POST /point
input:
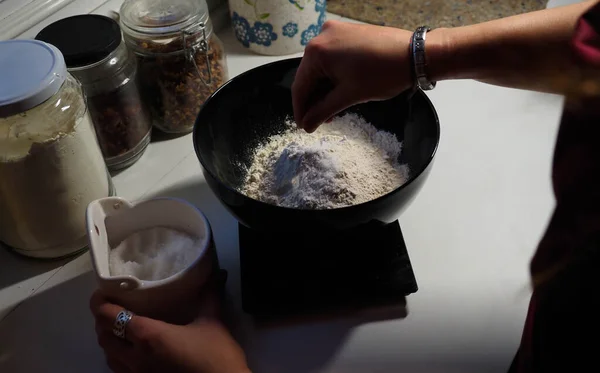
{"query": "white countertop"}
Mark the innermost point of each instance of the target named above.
(470, 234)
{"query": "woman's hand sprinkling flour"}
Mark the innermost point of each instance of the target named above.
(356, 63)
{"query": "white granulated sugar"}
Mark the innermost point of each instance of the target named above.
(343, 163)
(154, 254)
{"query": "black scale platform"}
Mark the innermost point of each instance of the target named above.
(290, 275)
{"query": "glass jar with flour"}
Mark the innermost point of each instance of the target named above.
(51, 166)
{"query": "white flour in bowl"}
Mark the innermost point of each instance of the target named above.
(154, 254)
(343, 163)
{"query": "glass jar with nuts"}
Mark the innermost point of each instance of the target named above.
(181, 61)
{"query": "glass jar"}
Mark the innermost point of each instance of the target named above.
(51, 166)
(181, 61)
(107, 72)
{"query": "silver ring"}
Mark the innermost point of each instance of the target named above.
(123, 318)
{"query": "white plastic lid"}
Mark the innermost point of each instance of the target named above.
(31, 72)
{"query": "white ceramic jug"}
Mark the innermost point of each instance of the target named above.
(111, 220)
(277, 27)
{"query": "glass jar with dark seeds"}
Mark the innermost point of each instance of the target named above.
(96, 55)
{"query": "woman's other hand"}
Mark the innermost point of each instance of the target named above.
(204, 346)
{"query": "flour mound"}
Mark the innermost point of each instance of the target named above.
(343, 163)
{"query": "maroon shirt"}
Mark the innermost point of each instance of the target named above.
(563, 322)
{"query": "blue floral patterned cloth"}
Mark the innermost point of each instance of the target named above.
(242, 30)
(309, 34)
(290, 29)
(320, 5)
(262, 33)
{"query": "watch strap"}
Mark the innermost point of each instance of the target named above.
(417, 47)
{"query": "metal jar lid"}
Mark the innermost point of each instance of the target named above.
(162, 17)
(31, 72)
(186, 21)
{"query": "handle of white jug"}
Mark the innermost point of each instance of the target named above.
(112, 205)
(98, 210)
(96, 214)
(119, 285)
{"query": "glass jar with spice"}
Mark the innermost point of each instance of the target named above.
(107, 71)
(51, 166)
(181, 60)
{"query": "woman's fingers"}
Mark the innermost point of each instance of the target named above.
(117, 351)
(139, 328)
(106, 314)
(304, 84)
(331, 104)
(96, 301)
(116, 366)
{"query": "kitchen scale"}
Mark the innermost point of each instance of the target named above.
(286, 275)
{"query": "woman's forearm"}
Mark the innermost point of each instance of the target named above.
(529, 51)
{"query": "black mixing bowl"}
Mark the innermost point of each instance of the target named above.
(254, 105)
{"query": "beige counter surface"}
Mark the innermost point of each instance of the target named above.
(408, 14)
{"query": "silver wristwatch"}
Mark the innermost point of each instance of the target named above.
(417, 47)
